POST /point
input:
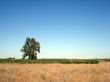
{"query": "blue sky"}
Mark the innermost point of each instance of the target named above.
(65, 28)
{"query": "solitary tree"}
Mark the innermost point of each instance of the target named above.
(30, 48)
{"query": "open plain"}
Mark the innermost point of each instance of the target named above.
(55, 72)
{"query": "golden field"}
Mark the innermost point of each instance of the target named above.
(55, 72)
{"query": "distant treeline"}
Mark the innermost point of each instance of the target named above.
(52, 61)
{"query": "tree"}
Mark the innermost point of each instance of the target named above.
(30, 48)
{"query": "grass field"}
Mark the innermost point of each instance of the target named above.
(15, 72)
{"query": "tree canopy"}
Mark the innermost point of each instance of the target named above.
(30, 48)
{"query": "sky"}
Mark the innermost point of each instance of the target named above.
(64, 28)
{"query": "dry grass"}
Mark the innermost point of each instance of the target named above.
(55, 72)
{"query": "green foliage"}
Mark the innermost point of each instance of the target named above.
(30, 48)
(107, 59)
(51, 61)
